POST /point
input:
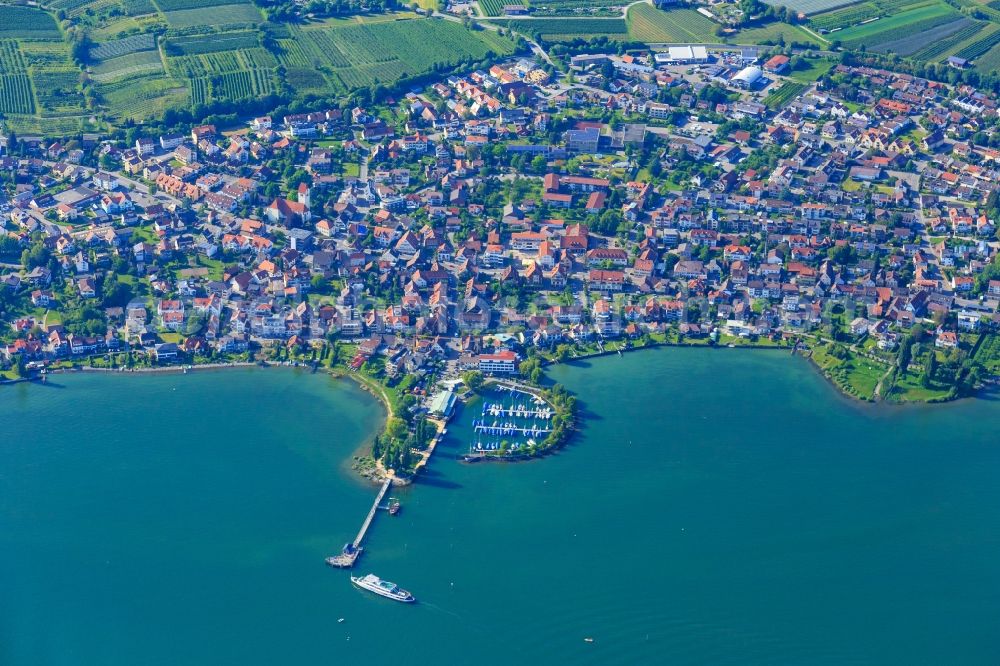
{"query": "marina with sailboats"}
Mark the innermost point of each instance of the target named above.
(512, 420)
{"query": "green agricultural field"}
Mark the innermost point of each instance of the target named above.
(495, 7)
(810, 7)
(41, 88)
(903, 25)
(178, 5)
(15, 94)
(350, 54)
(119, 47)
(574, 7)
(567, 29)
(988, 353)
(212, 43)
(27, 23)
(907, 45)
(142, 97)
(648, 24)
(980, 50)
(39, 84)
(121, 27)
(941, 48)
(812, 72)
(989, 61)
(862, 11)
(138, 7)
(222, 15)
(228, 75)
(776, 33)
(142, 62)
(776, 99)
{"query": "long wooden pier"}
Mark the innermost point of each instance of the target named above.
(371, 514)
(351, 551)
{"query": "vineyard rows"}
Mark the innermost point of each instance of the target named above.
(128, 65)
(68, 6)
(324, 46)
(581, 27)
(495, 7)
(855, 14)
(120, 47)
(27, 23)
(221, 16)
(138, 7)
(177, 5)
(362, 77)
(11, 60)
(242, 85)
(229, 41)
(810, 7)
(648, 24)
(936, 49)
(989, 61)
(58, 90)
(199, 91)
(210, 64)
(142, 96)
(899, 26)
(980, 46)
(783, 95)
(15, 94)
(305, 79)
(914, 41)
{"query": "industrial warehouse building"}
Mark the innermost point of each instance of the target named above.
(682, 55)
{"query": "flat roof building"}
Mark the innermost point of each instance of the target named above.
(682, 55)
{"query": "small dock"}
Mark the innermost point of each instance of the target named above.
(352, 551)
(510, 429)
(519, 412)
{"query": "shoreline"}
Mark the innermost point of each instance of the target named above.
(545, 362)
(381, 473)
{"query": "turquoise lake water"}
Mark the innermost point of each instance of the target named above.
(718, 507)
